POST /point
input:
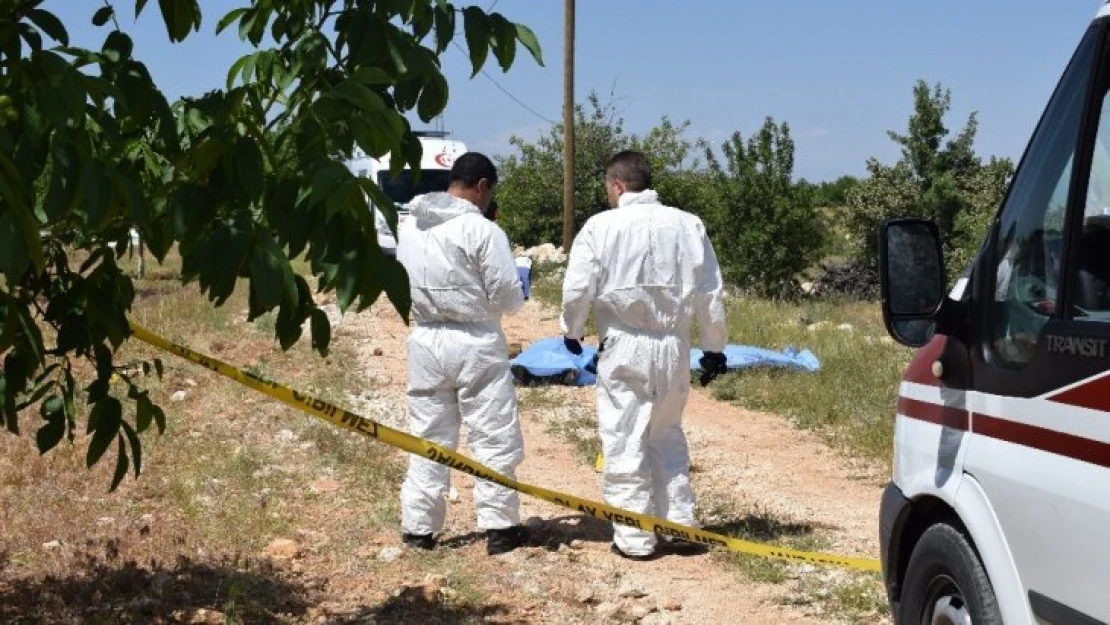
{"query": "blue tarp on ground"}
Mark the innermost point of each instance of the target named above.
(549, 359)
(745, 356)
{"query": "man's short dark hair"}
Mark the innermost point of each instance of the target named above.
(630, 168)
(472, 167)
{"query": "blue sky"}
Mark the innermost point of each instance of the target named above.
(840, 73)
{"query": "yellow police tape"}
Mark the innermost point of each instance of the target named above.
(412, 444)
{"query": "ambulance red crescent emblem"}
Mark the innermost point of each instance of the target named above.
(443, 159)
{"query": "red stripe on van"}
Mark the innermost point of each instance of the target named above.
(1094, 394)
(920, 369)
(1059, 443)
(947, 416)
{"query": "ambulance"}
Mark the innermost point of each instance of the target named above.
(999, 506)
(439, 154)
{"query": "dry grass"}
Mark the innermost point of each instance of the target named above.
(850, 401)
(837, 594)
(233, 472)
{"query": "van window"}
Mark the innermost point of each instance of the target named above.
(401, 189)
(1092, 292)
(1030, 237)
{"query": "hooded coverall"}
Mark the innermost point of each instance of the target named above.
(462, 278)
(650, 271)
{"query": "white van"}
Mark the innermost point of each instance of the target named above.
(439, 154)
(999, 507)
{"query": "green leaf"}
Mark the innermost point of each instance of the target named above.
(180, 16)
(11, 186)
(31, 336)
(397, 52)
(477, 37)
(31, 36)
(50, 434)
(237, 68)
(267, 280)
(136, 200)
(107, 414)
(50, 25)
(422, 20)
(139, 4)
(321, 331)
(218, 260)
(528, 39)
(292, 315)
(206, 155)
(369, 137)
(359, 95)
(231, 16)
(63, 193)
(396, 282)
(96, 194)
(445, 27)
(327, 179)
(121, 466)
(117, 46)
(504, 46)
(102, 15)
(136, 447)
(249, 171)
(14, 258)
(433, 99)
(371, 76)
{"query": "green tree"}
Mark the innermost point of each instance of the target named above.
(531, 188)
(765, 228)
(937, 178)
(242, 179)
(834, 193)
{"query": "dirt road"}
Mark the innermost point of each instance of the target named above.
(249, 512)
(750, 468)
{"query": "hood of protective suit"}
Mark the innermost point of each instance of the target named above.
(433, 209)
(460, 265)
(638, 197)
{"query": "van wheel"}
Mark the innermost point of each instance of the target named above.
(946, 584)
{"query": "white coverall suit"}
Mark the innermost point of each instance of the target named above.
(462, 278)
(650, 270)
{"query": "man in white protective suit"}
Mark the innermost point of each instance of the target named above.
(650, 271)
(462, 278)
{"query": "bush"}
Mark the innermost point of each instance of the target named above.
(765, 228)
(851, 280)
(937, 178)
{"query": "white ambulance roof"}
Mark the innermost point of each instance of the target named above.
(438, 154)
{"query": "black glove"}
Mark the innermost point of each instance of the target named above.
(573, 346)
(712, 365)
(592, 367)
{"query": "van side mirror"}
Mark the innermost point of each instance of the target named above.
(911, 273)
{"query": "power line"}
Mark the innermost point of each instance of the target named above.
(506, 91)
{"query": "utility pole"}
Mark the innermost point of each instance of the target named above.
(568, 125)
